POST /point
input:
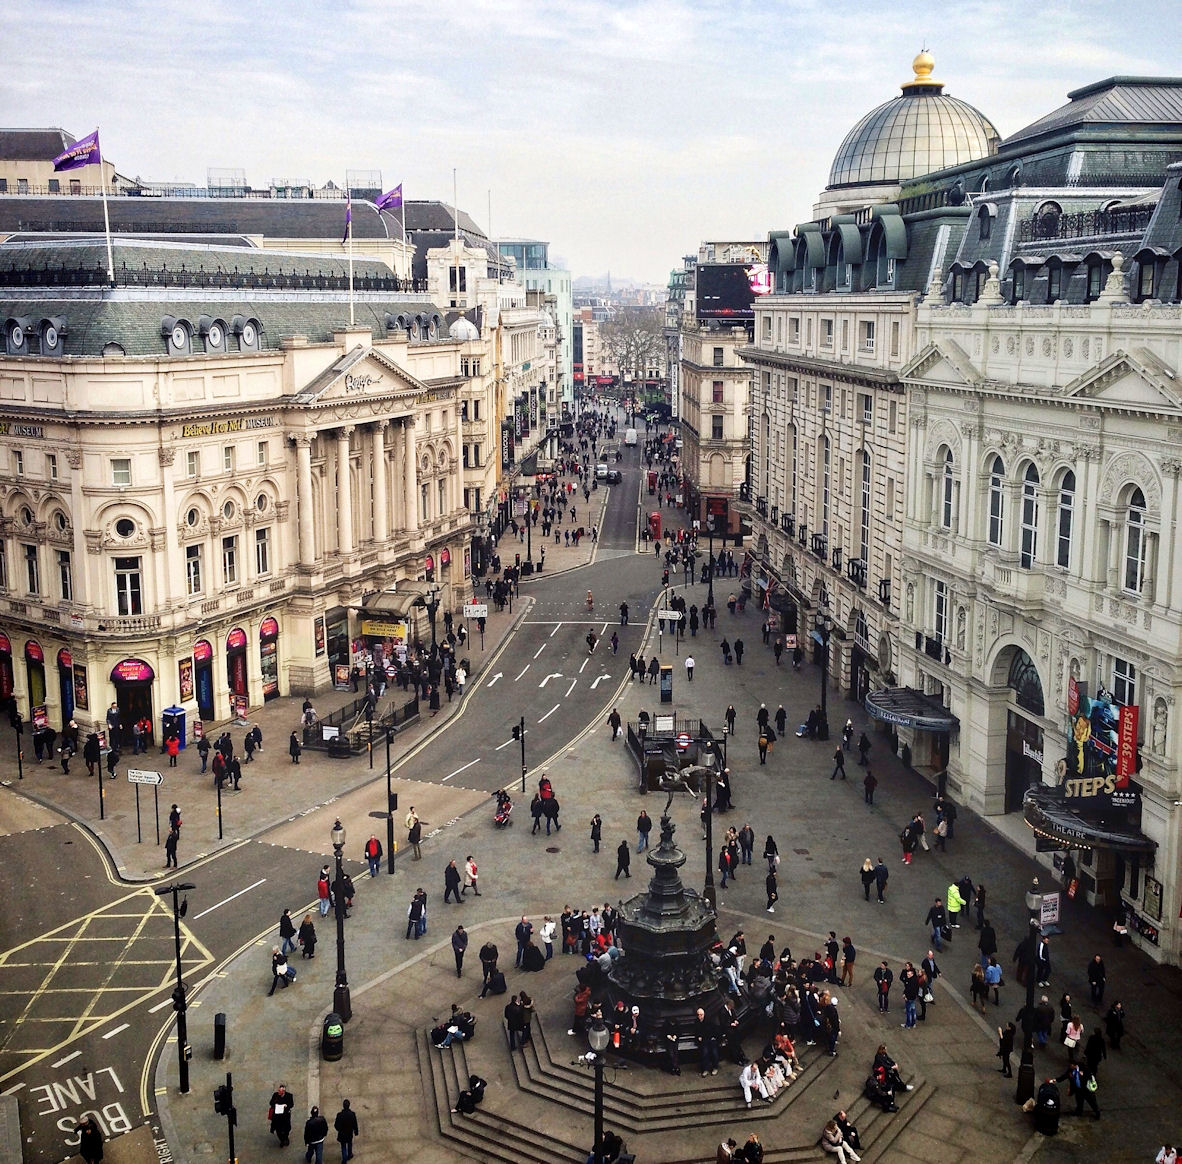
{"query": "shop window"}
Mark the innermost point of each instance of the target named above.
(129, 596)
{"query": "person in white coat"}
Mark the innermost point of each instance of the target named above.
(751, 1079)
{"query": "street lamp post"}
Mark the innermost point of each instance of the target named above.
(519, 734)
(18, 726)
(1029, 959)
(390, 806)
(824, 627)
(431, 602)
(341, 1001)
(710, 536)
(598, 1037)
(179, 1003)
(709, 892)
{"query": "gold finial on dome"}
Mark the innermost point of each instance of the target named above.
(923, 65)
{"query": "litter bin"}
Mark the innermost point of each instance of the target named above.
(1047, 1107)
(332, 1040)
(172, 719)
(219, 1035)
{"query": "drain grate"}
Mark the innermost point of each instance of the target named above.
(553, 849)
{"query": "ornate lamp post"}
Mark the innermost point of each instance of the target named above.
(598, 1037)
(431, 602)
(824, 627)
(341, 1002)
(1029, 960)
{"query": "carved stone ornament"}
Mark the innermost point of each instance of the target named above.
(74, 458)
(1011, 344)
(167, 454)
(1132, 468)
(995, 344)
(1084, 346)
(1068, 348)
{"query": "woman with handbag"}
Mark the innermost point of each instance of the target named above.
(1073, 1036)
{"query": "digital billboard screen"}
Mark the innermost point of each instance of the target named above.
(728, 290)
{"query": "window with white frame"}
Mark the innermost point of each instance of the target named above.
(129, 593)
(32, 570)
(18, 462)
(1124, 682)
(230, 560)
(1135, 541)
(3, 566)
(946, 491)
(1028, 553)
(228, 458)
(826, 333)
(826, 397)
(996, 502)
(193, 462)
(65, 576)
(261, 453)
(1066, 518)
(866, 336)
(120, 470)
(825, 464)
(51, 465)
(865, 554)
(193, 583)
(262, 550)
(940, 613)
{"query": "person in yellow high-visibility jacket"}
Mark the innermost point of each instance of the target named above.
(955, 904)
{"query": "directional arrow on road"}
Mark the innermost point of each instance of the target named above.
(548, 678)
(494, 679)
(598, 680)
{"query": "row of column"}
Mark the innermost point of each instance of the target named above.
(379, 464)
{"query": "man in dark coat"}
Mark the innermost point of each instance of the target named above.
(347, 1129)
(315, 1133)
(623, 860)
(514, 1022)
(488, 963)
(459, 944)
(282, 1101)
(451, 883)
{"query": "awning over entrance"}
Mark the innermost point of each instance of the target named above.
(910, 708)
(1046, 811)
(402, 602)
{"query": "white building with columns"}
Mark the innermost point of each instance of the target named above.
(213, 492)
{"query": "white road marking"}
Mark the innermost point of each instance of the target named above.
(494, 679)
(62, 1062)
(507, 743)
(459, 770)
(112, 1034)
(12, 1090)
(550, 713)
(598, 680)
(571, 687)
(543, 683)
(523, 671)
(556, 630)
(224, 900)
(540, 650)
(160, 1006)
(584, 666)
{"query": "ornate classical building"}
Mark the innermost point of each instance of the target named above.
(214, 483)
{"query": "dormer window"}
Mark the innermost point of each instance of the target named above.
(1054, 283)
(1145, 280)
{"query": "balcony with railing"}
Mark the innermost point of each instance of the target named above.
(761, 507)
(884, 591)
(788, 524)
(820, 545)
(933, 647)
(1117, 220)
(855, 570)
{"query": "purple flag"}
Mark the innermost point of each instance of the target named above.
(81, 153)
(391, 200)
(348, 218)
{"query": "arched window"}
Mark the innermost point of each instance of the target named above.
(1023, 680)
(996, 501)
(946, 500)
(1029, 552)
(1135, 543)
(1066, 517)
(865, 554)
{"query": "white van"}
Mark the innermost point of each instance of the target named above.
(630, 436)
(600, 472)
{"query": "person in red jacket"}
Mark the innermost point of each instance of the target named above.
(174, 747)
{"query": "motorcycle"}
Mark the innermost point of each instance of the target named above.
(504, 810)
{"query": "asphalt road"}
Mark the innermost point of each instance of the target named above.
(87, 963)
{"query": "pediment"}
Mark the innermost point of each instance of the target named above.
(944, 363)
(1138, 378)
(360, 374)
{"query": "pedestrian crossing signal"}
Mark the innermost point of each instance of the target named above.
(223, 1099)
(517, 731)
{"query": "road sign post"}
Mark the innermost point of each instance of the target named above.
(138, 776)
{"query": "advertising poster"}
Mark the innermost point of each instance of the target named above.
(1091, 771)
(340, 676)
(40, 716)
(81, 689)
(318, 634)
(185, 677)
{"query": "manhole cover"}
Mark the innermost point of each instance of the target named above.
(801, 852)
(826, 874)
(553, 849)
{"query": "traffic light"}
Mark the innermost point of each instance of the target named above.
(517, 731)
(178, 998)
(516, 559)
(223, 1099)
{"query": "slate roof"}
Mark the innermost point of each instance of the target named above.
(1117, 101)
(33, 145)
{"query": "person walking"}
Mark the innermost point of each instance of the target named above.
(90, 1141)
(324, 891)
(414, 914)
(315, 1133)
(307, 936)
(596, 832)
(347, 1130)
(849, 956)
(689, 668)
(739, 648)
(881, 875)
(287, 932)
(471, 876)
(279, 1114)
(279, 970)
(623, 859)
(170, 844)
(654, 669)
(1096, 979)
(781, 720)
(373, 854)
(937, 918)
(771, 853)
(883, 977)
(773, 891)
(644, 826)
(838, 763)
(1005, 1048)
(867, 875)
(869, 784)
(293, 748)
(459, 944)
(451, 883)
(414, 833)
(863, 748)
(614, 721)
(763, 744)
(730, 715)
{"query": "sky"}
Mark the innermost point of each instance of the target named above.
(623, 133)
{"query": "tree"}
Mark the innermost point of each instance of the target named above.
(634, 339)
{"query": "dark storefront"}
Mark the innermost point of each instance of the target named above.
(132, 680)
(269, 658)
(236, 678)
(203, 671)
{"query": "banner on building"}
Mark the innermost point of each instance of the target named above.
(507, 444)
(1126, 744)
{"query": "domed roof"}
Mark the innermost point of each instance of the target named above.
(915, 133)
(463, 330)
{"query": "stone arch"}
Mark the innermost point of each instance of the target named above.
(941, 433)
(1124, 472)
(1012, 667)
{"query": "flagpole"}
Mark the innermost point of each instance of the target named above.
(455, 217)
(350, 224)
(106, 212)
